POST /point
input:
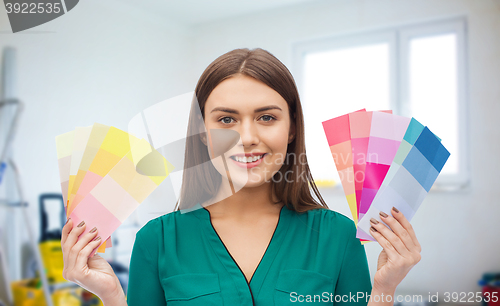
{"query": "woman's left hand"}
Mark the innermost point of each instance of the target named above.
(401, 250)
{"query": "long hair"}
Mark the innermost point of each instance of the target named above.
(203, 181)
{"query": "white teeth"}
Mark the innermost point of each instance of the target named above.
(247, 159)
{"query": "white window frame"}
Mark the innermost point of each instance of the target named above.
(398, 39)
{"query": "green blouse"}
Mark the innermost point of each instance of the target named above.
(179, 259)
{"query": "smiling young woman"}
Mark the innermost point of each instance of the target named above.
(253, 93)
(247, 230)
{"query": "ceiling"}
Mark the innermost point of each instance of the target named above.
(194, 12)
(497, 2)
(188, 13)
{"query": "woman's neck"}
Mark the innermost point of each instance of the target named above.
(246, 203)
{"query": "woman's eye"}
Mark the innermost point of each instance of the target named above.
(225, 121)
(271, 118)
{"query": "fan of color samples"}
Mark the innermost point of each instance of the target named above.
(105, 174)
(383, 160)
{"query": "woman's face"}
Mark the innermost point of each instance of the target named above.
(261, 117)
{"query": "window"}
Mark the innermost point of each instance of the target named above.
(415, 70)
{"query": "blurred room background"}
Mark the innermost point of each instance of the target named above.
(105, 61)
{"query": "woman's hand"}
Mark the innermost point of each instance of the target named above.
(401, 250)
(93, 274)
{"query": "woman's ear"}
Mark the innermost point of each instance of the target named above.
(203, 138)
(291, 136)
(201, 129)
(203, 135)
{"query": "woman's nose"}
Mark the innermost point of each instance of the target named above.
(249, 134)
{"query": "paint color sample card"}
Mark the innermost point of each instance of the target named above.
(115, 174)
(112, 149)
(338, 135)
(386, 134)
(394, 161)
(359, 125)
(410, 181)
(65, 144)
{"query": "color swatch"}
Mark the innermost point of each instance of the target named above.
(390, 160)
(117, 171)
(338, 135)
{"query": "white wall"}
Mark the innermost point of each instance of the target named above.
(459, 232)
(101, 62)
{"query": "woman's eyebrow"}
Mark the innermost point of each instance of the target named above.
(233, 111)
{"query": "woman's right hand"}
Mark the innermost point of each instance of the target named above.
(93, 274)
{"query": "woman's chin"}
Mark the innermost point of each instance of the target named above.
(248, 182)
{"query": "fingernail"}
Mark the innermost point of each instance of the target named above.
(67, 221)
(372, 229)
(374, 221)
(98, 238)
(94, 229)
(395, 209)
(383, 214)
(81, 224)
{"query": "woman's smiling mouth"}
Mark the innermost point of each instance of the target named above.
(248, 160)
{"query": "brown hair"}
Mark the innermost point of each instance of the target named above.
(202, 182)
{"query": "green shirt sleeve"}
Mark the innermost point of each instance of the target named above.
(144, 287)
(354, 283)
